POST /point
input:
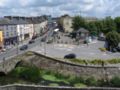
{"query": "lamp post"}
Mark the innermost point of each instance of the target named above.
(17, 45)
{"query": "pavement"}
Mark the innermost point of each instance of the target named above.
(82, 51)
(16, 49)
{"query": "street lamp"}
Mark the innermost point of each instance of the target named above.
(45, 46)
(17, 45)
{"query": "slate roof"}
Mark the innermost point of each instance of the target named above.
(15, 20)
(6, 21)
(83, 30)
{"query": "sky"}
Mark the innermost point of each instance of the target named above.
(88, 8)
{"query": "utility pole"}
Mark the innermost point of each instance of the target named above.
(17, 47)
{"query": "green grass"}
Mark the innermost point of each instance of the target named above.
(94, 62)
(80, 85)
(54, 79)
(53, 84)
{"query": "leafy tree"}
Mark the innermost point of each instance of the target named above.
(117, 21)
(78, 22)
(113, 39)
(115, 81)
(92, 28)
(109, 25)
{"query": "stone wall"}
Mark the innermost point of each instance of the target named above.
(67, 68)
(33, 87)
(7, 65)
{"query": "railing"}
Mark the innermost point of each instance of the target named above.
(35, 87)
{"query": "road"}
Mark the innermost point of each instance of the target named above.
(16, 50)
(82, 51)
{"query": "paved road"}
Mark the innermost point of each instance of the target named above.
(82, 51)
(15, 50)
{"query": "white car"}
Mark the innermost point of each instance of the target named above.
(3, 50)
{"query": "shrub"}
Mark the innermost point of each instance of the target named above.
(32, 74)
(74, 80)
(27, 73)
(53, 84)
(115, 81)
(91, 81)
(16, 72)
(114, 61)
(80, 85)
(103, 49)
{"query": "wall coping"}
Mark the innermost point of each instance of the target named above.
(73, 64)
(49, 87)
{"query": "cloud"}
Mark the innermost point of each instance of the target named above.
(97, 8)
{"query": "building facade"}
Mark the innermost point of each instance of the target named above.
(40, 28)
(15, 31)
(1, 39)
(66, 22)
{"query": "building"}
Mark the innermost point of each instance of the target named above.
(39, 24)
(82, 33)
(15, 29)
(66, 23)
(1, 39)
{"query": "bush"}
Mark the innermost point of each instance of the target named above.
(32, 74)
(115, 81)
(114, 61)
(74, 80)
(98, 62)
(103, 49)
(80, 85)
(53, 84)
(27, 73)
(91, 81)
(113, 39)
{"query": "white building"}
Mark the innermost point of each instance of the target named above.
(15, 30)
(40, 28)
(66, 22)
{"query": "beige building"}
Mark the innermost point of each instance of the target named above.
(66, 22)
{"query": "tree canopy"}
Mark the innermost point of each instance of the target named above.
(113, 39)
(78, 22)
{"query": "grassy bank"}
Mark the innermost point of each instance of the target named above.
(33, 75)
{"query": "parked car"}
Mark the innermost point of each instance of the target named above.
(101, 38)
(3, 50)
(43, 40)
(118, 49)
(70, 56)
(31, 41)
(24, 47)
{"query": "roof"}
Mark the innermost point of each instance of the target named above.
(14, 20)
(6, 21)
(83, 30)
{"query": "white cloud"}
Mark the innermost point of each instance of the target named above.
(98, 8)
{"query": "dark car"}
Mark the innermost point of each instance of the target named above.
(118, 49)
(101, 38)
(43, 40)
(31, 41)
(70, 56)
(24, 47)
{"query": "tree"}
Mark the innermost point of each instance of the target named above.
(92, 28)
(78, 22)
(109, 25)
(113, 39)
(117, 21)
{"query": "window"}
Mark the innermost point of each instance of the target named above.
(6, 27)
(7, 34)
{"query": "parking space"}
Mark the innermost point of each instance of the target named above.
(83, 51)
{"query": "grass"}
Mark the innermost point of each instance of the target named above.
(80, 85)
(94, 62)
